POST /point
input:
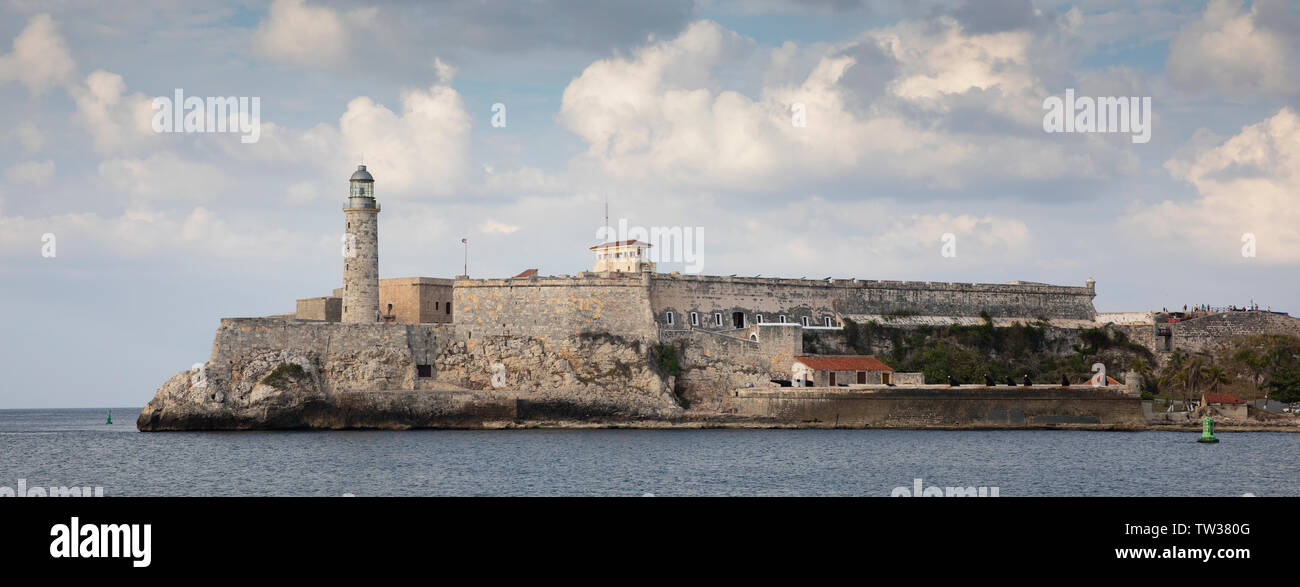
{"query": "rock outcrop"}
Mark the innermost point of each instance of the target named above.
(274, 374)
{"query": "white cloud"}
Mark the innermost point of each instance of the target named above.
(422, 151)
(297, 33)
(445, 72)
(37, 173)
(1229, 50)
(935, 64)
(30, 137)
(116, 121)
(493, 226)
(874, 240)
(663, 113)
(1247, 184)
(40, 59)
(165, 177)
(302, 192)
(197, 233)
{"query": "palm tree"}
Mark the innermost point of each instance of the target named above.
(1171, 375)
(1191, 376)
(1214, 375)
(1143, 370)
(1255, 363)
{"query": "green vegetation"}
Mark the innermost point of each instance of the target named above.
(892, 314)
(1284, 385)
(1249, 367)
(285, 374)
(664, 357)
(1255, 367)
(968, 353)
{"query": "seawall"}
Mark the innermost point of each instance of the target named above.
(943, 407)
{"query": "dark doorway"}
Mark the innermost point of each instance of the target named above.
(737, 319)
(862, 377)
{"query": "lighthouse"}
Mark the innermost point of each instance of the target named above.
(361, 250)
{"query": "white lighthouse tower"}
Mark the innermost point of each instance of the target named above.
(361, 250)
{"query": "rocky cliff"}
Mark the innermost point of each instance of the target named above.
(267, 373)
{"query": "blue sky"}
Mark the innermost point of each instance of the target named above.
(922, 118)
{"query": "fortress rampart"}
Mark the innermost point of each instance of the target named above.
(818, 299)
(554, 309)
(351, 357)
(1203, 333)
(638, 305)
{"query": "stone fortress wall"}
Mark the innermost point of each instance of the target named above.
(648, 308)
(555, 309)
(1202, 334)
(795, 299)
(346, 357)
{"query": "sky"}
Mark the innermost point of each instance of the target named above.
(794, 138)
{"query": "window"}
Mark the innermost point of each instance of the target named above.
(695, 319)
(437, 305)
(717, 319)
(758, 318)
(783, 318)
(828, 321)
(804, 320)
(448, 307)
(669, 317)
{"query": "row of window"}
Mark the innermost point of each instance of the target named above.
(739, 319)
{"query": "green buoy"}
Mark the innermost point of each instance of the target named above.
(110, 417)
(1207, 430)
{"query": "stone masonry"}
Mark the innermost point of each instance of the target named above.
(361, 251)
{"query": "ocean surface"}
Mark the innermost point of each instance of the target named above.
(65, 448)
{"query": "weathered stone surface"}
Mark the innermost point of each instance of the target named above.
(599, 375)
(350, 372)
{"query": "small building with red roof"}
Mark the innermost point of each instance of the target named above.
(1224, 404)
(840, 370)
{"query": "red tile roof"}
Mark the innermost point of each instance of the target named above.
(619, 244)
(1222, 398)
(844, 363)
(526, 273)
